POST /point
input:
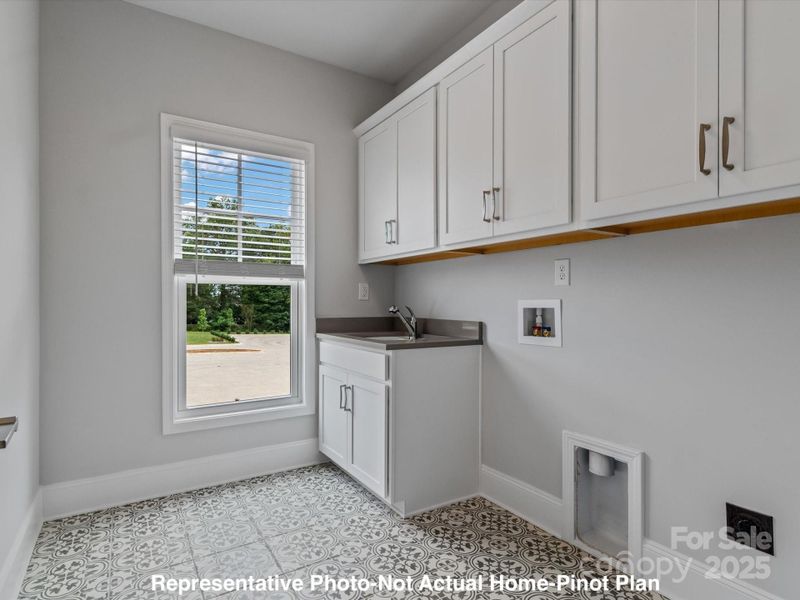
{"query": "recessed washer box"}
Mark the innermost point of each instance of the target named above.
(551, 322)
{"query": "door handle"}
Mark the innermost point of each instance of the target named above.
(386, 232)
(348, 387)
(495, 191)
(726, 141)
(703, 128)
(485, 199)
(342, 401)
(392, 231)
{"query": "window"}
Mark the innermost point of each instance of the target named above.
(238, 301)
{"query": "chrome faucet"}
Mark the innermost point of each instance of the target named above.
(409, 322)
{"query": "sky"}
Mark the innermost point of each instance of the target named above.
(268, 184)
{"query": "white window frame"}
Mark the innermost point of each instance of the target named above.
(176, 417)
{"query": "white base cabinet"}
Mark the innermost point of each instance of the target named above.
(403, 423)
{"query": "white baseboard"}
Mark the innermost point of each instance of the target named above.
(545, 511)
(12, 571)
(540, 508)
(96, 493)
(698, 585)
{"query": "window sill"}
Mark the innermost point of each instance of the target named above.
(184, 423)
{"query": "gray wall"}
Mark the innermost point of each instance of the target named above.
(496, 10)
(108, 69)
(684, 344)
(19, 247)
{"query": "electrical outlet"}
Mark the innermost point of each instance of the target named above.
(750, 528)
(363, 291)
(562, 271)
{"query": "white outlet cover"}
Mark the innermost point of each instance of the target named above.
(363, 291)
(562, 271)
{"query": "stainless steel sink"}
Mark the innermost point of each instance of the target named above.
(388, 338)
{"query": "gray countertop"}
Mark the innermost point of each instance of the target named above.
(436, 333)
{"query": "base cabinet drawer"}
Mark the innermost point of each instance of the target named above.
(355, 360)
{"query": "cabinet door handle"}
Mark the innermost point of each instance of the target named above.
(495, 191)
(726, 141)
(392, 231)
(485, 200)
(386, 232)
(348, 387)
(341, 399)
(703, 128)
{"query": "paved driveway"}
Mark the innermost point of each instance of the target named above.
(258, 367)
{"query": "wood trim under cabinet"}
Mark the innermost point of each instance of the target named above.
(709, 217)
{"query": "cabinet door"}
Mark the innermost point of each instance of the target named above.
(333, 423)
(532, 72)
(367, 406)
(465, 151)
(760, 90)
(377, 150)
(416, 176)
(647, 81)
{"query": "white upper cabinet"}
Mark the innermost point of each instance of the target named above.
(397, 187)
(504, 131)
(647, 104)
(465, 151)
(415, 228)
(759, 95)
(532, 124)
(378, 189)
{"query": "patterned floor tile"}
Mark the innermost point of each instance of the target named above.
(66, 577)
(253, 560)
(330, 579)
(248, 595)
(210, 537)
(310, 524)
(132, 585)
(145, 555)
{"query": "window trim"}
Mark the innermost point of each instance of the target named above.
(175, 420)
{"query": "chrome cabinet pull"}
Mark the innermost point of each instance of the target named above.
(702, 158)
(485, 199)
(341, 400)
(726, 141)
(392, 231)
(386, 232)
(495, 191)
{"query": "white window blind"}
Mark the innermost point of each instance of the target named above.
(237, 212)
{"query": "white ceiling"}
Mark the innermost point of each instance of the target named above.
(384, 39)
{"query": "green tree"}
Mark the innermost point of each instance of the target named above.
(216, 232)
(202, 320)
(225, 321)
(248, 316)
